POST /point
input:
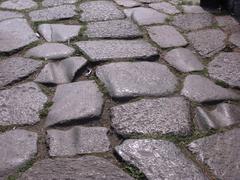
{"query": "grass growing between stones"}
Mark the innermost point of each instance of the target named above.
(44, 112)
(133, 171)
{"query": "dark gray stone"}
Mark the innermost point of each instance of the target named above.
(235, 39)
(19, 4)
(49, 3)
(159, 159)
(165, 7)
(127, 3)
(4, 15)
(193, 9)
(128, 79)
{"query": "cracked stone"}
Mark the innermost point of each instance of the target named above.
(201, 89)
(78, 140)
(131, 79)
(19, 4)
(4, 15)
(100, 11)
(127, 3)
(49, 3)
(235, 39)
(15, 34)
(152, 116)
(58, 32)
(193, 9)
(166, 36)
(165, 8)
(50, 51)
(159, 159)
(84, 95)
(207, 42)
(183, 60)
(220, 152)
(104, 50)
(17, 148)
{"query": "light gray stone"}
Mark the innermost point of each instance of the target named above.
(103, 50)
(226, 67)
(100, 11)
(152, 116)
(193, 9)
(17, 147)
(220, 152)
(4, 15)
(201, 89)
(128, 79)
(235, 39)
(149, 1)
(207, 42)
(54, 13)
(183, 60)
(166, 36)
(113, 29)
(50, 51)
(228, 23)
(61, 72)
(58, 32)
(21, 104)
(83, 168)
(15, 34)
(49, 3)
(159, 159)
(78, 140)
(129, 11)
(19, 4)
(165, 8)
(127, 3)
(75, 101)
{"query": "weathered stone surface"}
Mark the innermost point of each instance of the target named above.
(220, 152)
(166, 36)
(100, 11)
(50, 51)
(207, 42)
(127, 3)
(228, 23)
(58, 32)
(113, 29)
(54, 13)
(14, 34)
(83, 168)
(152, 116)
(159, 159)
(49, 3)
(16, 68)
(201, 89)
(60, 72)
(84, 95)
(149, 1)
(78, 140)
(17, 147)
(117, 49)
(21, 104)
(165, 7)
(19, 4)
(129, 11)
(4, 15)
(223, 115)
(226, 67)
(235, 39)
(193, 9)
(183, 60)
(193, 21)
(127, 79)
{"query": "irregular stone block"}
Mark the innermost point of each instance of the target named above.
(228, 23)
(4, 15)
(165, 8)
(127, 3)
(149, 1)
(49, 3)
(19, 4)
(235, 39)
(193, 9)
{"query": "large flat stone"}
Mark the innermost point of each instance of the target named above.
(78, 140)
(75, 101)
(15, 34)
(16, 68)
(19, 4)
(201, 89)
(220, 152)
(4, 15)
(128, 79)
(193, 9)
(148, 1)
(152, 116)
(159, 159)
(228, 23)
(235, 39)
(103, 50)
(17, 148)
(49, 3)
(165, 7)
(127, 3)
(83, 168)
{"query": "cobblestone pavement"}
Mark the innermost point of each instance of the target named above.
(118, 89)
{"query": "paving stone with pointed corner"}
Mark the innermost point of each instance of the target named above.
(193, 9)
(226, 67)
(4, 15)
(128, 79)
(50, 51)
(159, 159)
(165, 8)
(49, 3)
(113, 29)
(201, 89)
(127, 3)
(183, 60)
(220, 152)
(19, 4)
(207, 42)
(21, 104)
(58, 32)
(54, 13)
(104, 50)
(15, 34)
(16, 68)
(235, 39)
(84, 95)
(78, 140)
(152, 116)
(166, 36)
(83, 168)
(100, 11)
(61, 72)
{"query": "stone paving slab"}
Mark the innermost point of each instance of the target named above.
(5, 15)
(19, 4)
(193, 9)
(228, 23)
(127, 3)
(235, 39)
(165, 7)
(49, 3)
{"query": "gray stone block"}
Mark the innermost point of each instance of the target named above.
(49, 3)
(165, 7)
(4, 15)
(127, 3)
(19, 4)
